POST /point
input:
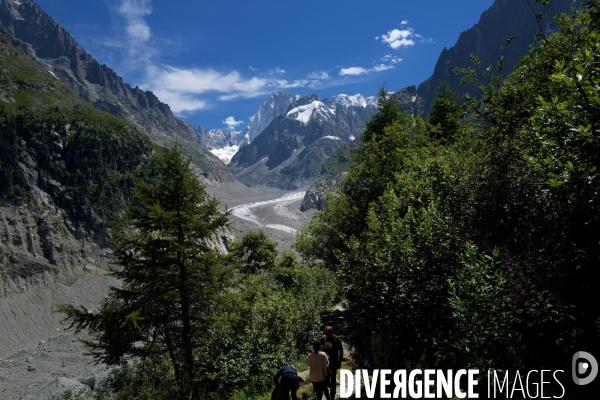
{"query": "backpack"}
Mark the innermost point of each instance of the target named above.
(277, 393)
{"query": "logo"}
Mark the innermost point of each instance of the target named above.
(585, 368)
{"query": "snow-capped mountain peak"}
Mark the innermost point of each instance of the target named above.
(304, 109)
(354, 101)
(291, 150)
(276, 105)
(305, 112)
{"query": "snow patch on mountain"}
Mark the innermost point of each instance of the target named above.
(226, 153)
(354, 101)
(304, 113)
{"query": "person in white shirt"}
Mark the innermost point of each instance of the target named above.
(317, 361)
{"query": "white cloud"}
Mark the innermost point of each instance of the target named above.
(185, 89)
(382, 67)
(134, 12)
(397, 38)
(180, 103)
(353, 71)
(319, 75)
(391, 58)
(201, 81)
(405, 37)
(231, 122)
(285, 84)
(276, 71)
(132, 36)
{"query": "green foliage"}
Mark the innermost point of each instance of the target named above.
(87, 160)
(480, 251)
(26, 85)
(12, 179)
(397, 265)
(445, 113)
(272, 324)
(341, 160)
(376, 165)
(388, 112)
(150, 379)
(544, 126)
(503, 315)
(279, 316)
(254, 253)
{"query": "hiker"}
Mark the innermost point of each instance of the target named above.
(289, 381)
(317, 362)
(333, 348)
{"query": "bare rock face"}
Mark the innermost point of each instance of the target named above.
(409, 100)
(318, 190)
(221, 242)
(53, 244)
(45, 258)
(57, 51)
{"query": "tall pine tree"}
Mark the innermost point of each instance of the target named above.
(172, 280)
(445, 114)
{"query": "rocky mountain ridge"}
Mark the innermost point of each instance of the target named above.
(52, 244)
(225, 143)
(274, 106)
(293, 147)
(220, 142)
(58, 52)
(487, 40)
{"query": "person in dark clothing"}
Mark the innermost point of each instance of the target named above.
(290, 382)
(332, 346)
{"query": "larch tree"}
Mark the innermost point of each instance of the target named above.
(173, 282)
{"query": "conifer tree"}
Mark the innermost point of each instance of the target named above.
(445, 113)
(172, 281)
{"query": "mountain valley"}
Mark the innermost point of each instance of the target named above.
(75, 137)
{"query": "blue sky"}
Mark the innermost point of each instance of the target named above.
(215, 62)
